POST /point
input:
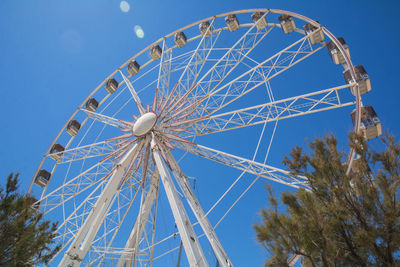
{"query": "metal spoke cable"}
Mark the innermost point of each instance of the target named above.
(265, 160)
(243, 172)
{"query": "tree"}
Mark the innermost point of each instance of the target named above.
(25, 238)
(345, 219)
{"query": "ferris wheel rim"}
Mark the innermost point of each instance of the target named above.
(351, 154)
(358, 97)
(349, 63)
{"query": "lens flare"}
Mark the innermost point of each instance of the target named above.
(139, 31)
(124, 6)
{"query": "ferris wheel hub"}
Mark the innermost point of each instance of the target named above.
(144, 123)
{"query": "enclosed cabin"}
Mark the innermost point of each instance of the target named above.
(287, 23)
(259, 19)
(314, 35)
(56, 152)
(205, 29)
(362, 78)
(232, 22)
(133, 67)
(35, 204)
(370, 126)
(73, 127)
(111, 85)
(91, 104)
(42, 178)
(180, 39)
(334, 52)
(156, 52)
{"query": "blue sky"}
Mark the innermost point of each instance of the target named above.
(54, 53)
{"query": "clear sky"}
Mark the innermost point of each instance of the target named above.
(54, 53)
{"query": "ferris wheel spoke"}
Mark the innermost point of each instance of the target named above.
(249, 166)
(230, 60)
(276, 110)
(197, 60)
(134, 94)
(108, 120)
(75, 186)
(246, 82)
(87, 151)
(164, 71)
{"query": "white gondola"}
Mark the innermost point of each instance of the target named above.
(370, 126)
(36, 205)
(335, 53)
(314, 35)
(259, 19)
(73, 127)
(180, 39)
(155, 52)
(362, 78)
(232, 22)
(56, 152)
(91, 104)
(133, 67)
(42, 178)
(287, 23)
(204, 28)
(111, 85)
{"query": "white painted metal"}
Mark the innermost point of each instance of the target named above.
(230, 60)
(87, 151)
(107, 120)
(251, 79)
(198, 211)
(250, 166)
(190, 241)
(211, 97)
(271, 111)
(200, 54)
(83, 239)
(216, 245)
(134, 94)
(164, 70)
(130, 252)
(144, 124)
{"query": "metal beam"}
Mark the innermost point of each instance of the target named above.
(107, 120)
(219, 251)
(87, 232)
(131, 247)
(189, 239)
(277, 110)
(249, 166)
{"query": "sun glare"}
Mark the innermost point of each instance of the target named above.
(139, 31)
(124, 6)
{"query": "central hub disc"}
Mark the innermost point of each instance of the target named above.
(144, 124)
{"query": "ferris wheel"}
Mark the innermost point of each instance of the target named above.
(123, 175)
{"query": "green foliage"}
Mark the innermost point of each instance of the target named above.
(345, 219)
(25, 237)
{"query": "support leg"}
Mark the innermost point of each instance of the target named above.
(189, 239)
(84, 237)
(127, 259)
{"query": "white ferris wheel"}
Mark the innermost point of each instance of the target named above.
(119, 177)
